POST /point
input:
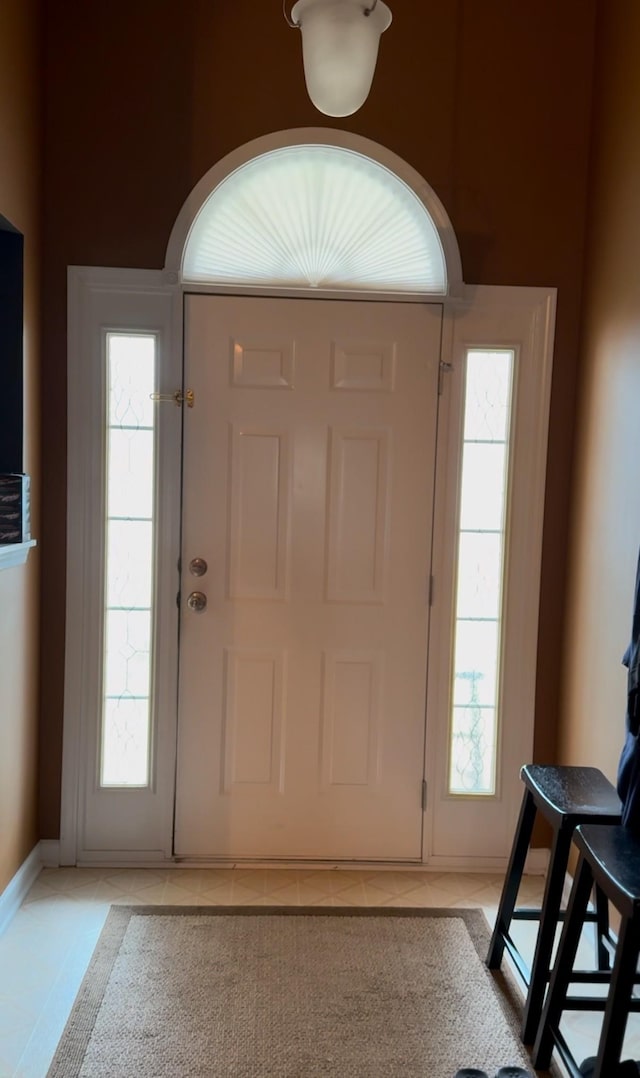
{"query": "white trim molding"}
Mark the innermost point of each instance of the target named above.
(105, 826)
(521, 320)
(18, 888)
(12, 554)
(95, 817)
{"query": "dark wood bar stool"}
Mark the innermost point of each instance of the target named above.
(610, 859)
(565, 797)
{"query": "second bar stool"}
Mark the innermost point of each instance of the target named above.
(565, 797)
(609, 857)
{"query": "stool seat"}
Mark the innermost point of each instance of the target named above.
(609, 858)
(614, 856)
(571, 794)
(566, 797)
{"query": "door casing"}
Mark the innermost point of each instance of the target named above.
(135, 826)
(125, 826)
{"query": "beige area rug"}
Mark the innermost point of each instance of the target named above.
(197, 992)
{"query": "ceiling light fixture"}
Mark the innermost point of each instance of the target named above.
(339, 49)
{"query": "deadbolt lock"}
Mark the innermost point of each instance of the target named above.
(198, 566)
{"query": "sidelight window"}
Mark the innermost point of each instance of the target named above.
(130, 467)
(480, 572)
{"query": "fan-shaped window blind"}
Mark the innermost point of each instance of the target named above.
(316, 216)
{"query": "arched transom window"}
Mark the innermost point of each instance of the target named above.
(315, 216)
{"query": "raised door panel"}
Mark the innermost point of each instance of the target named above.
(352, 687)
(358, 524)
(252, 740)
(259, 488)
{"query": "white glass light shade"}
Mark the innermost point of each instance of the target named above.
(315, 216)
(339, 50)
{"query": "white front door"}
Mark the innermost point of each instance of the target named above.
(308, 492)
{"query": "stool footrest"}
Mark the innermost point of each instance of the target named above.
(593, 976)
(532, 914)
(523, 914)
(595, 1003)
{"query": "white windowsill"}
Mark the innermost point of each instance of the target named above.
(15, 553)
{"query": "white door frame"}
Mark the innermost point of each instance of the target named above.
(486, 317)
(130, 299)
(118, 299)
(99, 301)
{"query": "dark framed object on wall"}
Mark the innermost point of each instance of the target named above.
(11, 347)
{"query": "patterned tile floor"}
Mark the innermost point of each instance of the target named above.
(46, 948)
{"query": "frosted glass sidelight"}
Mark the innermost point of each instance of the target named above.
(129, 541)
(482, 501)
(127, 653)
(130, 472)
(476, 662)
(315, 216)
(130, 404)
(487, 400)
(129, 564)
(125, 745)
(480, 571)
(479, 587)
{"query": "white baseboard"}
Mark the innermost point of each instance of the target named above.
(17, 888)
(45, 854)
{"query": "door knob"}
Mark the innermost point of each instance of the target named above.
(197, 602)
(198, 566)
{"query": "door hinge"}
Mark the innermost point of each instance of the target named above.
(430, 591)
(444, 368)
(424, 795)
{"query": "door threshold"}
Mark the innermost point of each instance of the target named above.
(119, 859)
(302, 863)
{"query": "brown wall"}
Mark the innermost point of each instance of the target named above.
(20, 203)
(489, 101)
(606, 518)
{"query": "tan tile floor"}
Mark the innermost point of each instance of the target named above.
(46, 948)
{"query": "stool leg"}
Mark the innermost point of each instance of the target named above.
(563, 966)
(602, 929)
(512, 880)
(620, 990)
(541, 964)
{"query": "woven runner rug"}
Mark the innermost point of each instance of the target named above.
(198, 992)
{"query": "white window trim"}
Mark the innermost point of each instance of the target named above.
(313, 136)
(98, 300)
